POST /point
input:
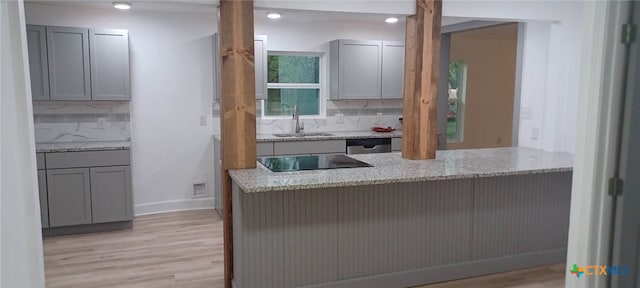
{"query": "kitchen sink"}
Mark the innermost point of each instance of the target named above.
(318, 134)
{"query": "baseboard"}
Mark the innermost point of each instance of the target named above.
(173, 205)
(457, 271)
(88, 228)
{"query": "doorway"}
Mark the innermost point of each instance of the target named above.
(625, 249)
(481, 85)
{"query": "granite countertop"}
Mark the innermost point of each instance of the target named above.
(82, 146)
(392, 168)
(334, 136)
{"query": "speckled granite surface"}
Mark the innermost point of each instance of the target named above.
(334, 136)
(391, 168)
(82, 146)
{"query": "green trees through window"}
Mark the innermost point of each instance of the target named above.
(293, 80)
(455, 111)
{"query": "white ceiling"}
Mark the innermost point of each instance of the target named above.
(209, 7)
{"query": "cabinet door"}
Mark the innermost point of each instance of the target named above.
(392, 70)
(309, 147)
(111, 198)
(359, 69)
(69, 197)
(38, 67)
(215, 49)
(260, 57)
(109, 50)
(217, 161)
(68, 56)
(260, 48)
(44, 203)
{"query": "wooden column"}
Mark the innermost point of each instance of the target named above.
(238, 106)
(421, 76)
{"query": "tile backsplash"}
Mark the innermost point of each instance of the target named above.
(359, 115)
(76, 121)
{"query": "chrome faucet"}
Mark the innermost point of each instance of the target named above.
(296, 116)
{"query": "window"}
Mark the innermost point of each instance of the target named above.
(293, 79)
(455, 112)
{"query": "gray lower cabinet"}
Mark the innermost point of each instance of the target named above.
(309, 147)
(69, 196)
(88, 187)
(68, 58)
(217, 163)
(38, 67)
(44, 202)
(111, 198)
(109, 50)
(262, 149)
(396, 144)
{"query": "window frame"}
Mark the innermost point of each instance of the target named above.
(460, 101)
(321, 85)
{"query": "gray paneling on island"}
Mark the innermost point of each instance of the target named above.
(458, 216)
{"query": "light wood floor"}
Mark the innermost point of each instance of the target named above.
(184, 249)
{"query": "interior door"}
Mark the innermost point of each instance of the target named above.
(626, 244)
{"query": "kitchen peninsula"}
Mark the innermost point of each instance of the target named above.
(401, 222)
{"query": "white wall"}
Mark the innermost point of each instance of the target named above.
(312, 31)
(396, 7)
(551, 64)
(171, 87)
(21, 259)
(551, 55)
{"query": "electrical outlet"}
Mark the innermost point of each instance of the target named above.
(339, 118)
(535, 133)
(102, 123)
(526, 113)
(203, 120)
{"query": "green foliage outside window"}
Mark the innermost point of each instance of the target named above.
(293, 80)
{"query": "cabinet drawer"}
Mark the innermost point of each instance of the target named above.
(40, 161)
(309, 147)
(264, 148)
(396, 144)
(87, 159)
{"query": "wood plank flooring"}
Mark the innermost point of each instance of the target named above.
(179, 249)
(184, 249)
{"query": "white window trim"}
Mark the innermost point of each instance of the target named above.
(322, 86)
(460, 100)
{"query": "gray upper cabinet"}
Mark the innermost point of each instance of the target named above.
(109, 50)
(38, 67)
(44, 203)
(68, 57)
(69, 196)
(111, 198)
(356, 69)
(260, 57)
(392, 70)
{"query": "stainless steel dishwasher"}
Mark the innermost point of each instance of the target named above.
(368, 145)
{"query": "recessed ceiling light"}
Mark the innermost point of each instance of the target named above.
(122, 5)
(273, 15)
(391, 20)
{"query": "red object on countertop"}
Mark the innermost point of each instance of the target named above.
(383, 129)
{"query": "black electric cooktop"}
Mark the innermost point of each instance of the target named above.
(313, 162)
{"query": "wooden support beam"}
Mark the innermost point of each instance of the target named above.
(238, 106)
(421, 76)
